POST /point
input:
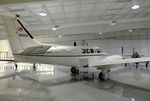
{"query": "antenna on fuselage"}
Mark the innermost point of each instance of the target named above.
(75, 44)
(17, 15)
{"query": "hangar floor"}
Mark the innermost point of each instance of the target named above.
(60, 87)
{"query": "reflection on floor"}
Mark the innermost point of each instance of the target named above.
(41, 69)
(132, 76)
(60, 87)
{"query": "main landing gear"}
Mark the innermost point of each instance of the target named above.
(104, 75)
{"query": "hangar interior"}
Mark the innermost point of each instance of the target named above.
(113, 25)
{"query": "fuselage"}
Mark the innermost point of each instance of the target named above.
(64, 55)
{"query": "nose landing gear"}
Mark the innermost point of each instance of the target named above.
(74, 70)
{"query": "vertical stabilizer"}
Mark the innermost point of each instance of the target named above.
(19, 38)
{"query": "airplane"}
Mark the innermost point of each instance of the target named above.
(26, 48)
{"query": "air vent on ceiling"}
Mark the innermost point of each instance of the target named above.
(16, 10)
(120, 1)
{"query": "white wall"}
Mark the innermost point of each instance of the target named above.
(5, 47)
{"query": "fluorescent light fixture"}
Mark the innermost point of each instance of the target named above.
(132, 99)
(113, 22)
(130, 30)
(135, 6)
(42, 14)
(59, 36)
(54, 29)
(100, 33)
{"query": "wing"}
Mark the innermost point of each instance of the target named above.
(109, 63)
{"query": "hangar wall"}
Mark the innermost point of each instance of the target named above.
(5, 50)
(113, 46)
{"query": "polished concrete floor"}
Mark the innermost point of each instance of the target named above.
(61, 87)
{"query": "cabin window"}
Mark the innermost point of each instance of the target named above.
(87, 51)
(92, 51)
(98, 51)
(83, 51)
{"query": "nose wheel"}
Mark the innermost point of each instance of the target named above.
(104, 75)
(74, 70)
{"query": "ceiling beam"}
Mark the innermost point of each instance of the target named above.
(19, 1)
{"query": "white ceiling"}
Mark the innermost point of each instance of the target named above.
(76, 13)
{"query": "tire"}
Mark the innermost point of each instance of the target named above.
(74, 70)
(101, 76)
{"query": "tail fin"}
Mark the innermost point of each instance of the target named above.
(18, 36)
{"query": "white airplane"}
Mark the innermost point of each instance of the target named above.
(27, 49)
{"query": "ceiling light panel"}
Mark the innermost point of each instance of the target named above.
(26, 16)
(72, 8)
(105, 1)
(145, 3)
(71, 15)
(118, 16)
(31, 19)
(85, 14)
(60, 21)
(94, 18)
(71, 20)
(123, 1)
(53, 4)
(17, 10)
(144, 14)
(57, 9)
(87, 7)
(15, 7)
(130, 15)
(34, 6)
(83, 19)
(108, 12)
(117, 6)
(58, 16)
(2, 9)
(70, 3)
(135, 6)
(46, 21)
(98, 13)
(102, 6)
(35, 23)
(88, 1)
(7, 14)
(109, 16)
(37, 10)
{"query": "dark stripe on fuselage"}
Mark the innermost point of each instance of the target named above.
(63, 55)
(25, 29)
